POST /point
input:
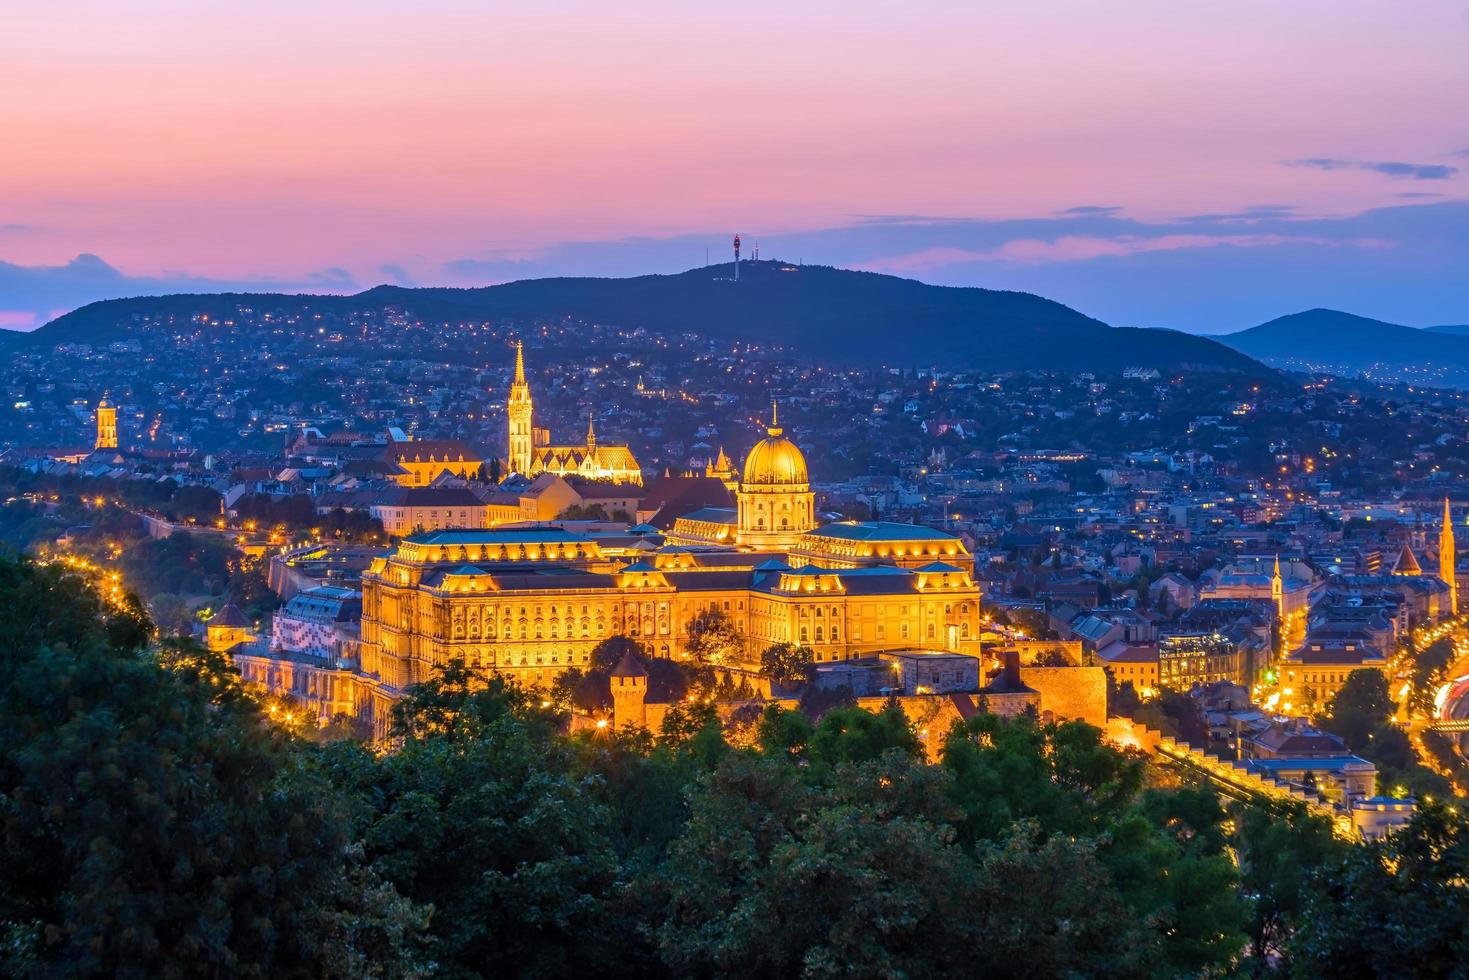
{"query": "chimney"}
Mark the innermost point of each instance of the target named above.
(1012, 669)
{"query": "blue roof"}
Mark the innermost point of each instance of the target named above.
(939, 566)
(640, 566)
(713, 515)
(522, 535)
(881, 531)
(1328, 764)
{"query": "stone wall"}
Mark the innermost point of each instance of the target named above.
(1071, 692)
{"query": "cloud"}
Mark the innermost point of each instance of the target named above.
(41, 292)
(1417, 171)
(15, 229)
(1259, 212)
(903, 219)
(1390, 168)
(1091, 209)
(1418, 194)
(333, 279)
(397, 275)
(1080, 248)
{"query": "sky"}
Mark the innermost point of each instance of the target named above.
(1204, 166)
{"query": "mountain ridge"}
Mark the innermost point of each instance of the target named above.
(1333, 340)
(843, 315)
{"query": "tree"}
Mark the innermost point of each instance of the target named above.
(488, 822)
(786, 664)
(713, 638)
(1280, 848)
(1362, 704)
(1409, 887)
(155, 824)
(170, 613)
(848, 735)
(584, 512)
(783, 732)
(607, 654)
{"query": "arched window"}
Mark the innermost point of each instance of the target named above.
(805, 635)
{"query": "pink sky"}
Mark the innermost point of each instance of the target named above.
(239, 140)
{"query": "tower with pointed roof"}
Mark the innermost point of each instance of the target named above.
(1447, 558)
(723, 470)
(1407, 562)
(1277, 590)
(106, 425)
(518, 410)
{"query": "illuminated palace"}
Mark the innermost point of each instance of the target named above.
(531, 602)
(529, 452)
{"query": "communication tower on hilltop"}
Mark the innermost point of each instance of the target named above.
(737, 257)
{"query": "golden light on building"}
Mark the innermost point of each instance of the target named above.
(106, 425)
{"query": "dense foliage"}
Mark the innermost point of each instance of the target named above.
(156, 822)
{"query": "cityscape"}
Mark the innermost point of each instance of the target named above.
(626, 603)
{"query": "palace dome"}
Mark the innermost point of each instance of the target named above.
(775, 460)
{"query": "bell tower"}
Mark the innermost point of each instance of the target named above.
(518, 410)
(1447, 558)
(106, 425)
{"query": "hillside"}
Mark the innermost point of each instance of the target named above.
(834, 314)
(1343, 343)
(1459, 329)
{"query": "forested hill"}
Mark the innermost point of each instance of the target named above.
(832, 314)
(1344, 343)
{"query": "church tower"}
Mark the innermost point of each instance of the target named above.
(106, 425)
(1277, 590)
(518, 410)
(1447, 557)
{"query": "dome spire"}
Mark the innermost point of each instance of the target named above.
(774, 428)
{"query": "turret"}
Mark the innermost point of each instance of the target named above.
(629, 683)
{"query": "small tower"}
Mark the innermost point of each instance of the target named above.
(519, 411)
(106, 425)
(737, 258)
(1407, 562)
(227, 628)
(629, 682)
(1448, 558)
(723, 470)
(1277, 590)
(591, 435)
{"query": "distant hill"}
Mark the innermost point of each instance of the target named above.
(1461, 329)
(838, 315)
(1343, 343)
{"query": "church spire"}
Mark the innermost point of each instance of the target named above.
(519, 410)
(1448, 558)
(591, 433)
